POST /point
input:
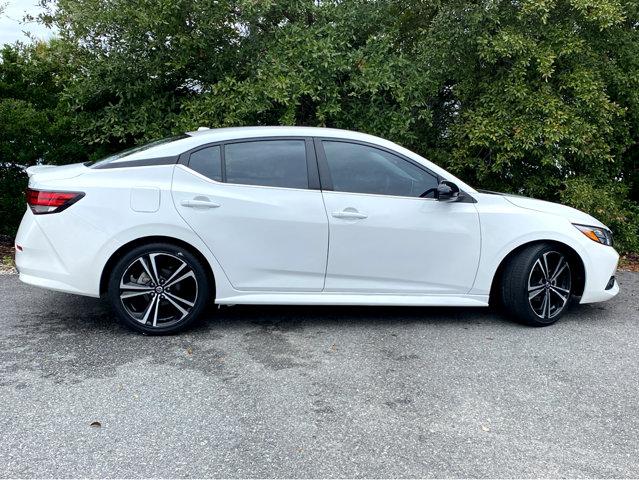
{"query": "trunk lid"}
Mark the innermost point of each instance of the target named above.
(44, 173)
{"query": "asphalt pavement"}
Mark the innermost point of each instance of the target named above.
(318, 392)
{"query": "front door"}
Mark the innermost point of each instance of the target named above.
(384, 238)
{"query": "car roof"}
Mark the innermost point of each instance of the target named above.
(229, 133)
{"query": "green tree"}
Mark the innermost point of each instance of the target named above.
(34, 125)
(136, 62)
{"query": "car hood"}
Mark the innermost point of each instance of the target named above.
(571, 214)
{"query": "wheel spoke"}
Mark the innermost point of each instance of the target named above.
(135, 286)
(157, 309)
(135, 293)
(545, 265)
(179, 299)
(178, 280)
(556, 275)
(543, 305)
(532, 293)
(148, 272)
(182, 311)
(565, 290)
(174, 274)
(556, 292)
(147, 312)
(560, 262)
(540, 266)
(154, 267)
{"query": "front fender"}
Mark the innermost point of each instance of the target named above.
(505, 229)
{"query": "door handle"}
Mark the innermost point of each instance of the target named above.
(350, 214)
(197, 203)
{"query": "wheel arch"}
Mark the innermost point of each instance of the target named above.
(579, 276)
(110, 264)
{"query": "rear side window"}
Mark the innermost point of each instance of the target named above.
(271, 163)
(208, 162)
(362, 169)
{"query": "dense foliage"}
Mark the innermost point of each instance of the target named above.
(539, 97)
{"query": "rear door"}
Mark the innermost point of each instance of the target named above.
(384, 238)
(256, 203)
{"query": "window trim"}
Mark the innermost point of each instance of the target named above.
(312, 170)
(325, 174)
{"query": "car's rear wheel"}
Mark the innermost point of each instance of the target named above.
(158, 288)
(537, 285)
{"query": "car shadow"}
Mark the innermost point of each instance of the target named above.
(87, 313)
(313, 316)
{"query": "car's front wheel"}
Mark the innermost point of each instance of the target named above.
(537, 285)
(158, 288)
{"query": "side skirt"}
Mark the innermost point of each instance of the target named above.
(327, 298)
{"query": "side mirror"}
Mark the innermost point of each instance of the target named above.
(447, 191)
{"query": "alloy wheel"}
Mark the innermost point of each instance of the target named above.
(549, 285)
(158, 289)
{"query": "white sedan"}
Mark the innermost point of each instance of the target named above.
(303, 216)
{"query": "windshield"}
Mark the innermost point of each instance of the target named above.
(130, 151)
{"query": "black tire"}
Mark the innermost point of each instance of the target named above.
(173, 303)
(537, 284)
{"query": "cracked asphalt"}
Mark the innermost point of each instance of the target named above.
(318, 392)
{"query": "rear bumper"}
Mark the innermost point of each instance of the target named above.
(40, 264)
(52, 284)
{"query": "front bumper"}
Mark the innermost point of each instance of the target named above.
(600, 265)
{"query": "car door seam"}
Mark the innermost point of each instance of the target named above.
(328, 239)
(190, 227)
(481, 240)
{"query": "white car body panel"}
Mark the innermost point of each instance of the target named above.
(361, 299)
(268, 245)
(79, 241)
(262, 236)
(503, 229)
(386, 251)
(572, 214)
(49, 172)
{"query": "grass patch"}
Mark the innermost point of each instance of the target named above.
(7, 263)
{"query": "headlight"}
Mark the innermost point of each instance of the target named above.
(599, 235)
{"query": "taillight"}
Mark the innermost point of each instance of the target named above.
(42, 202)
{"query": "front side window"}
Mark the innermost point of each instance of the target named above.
(272, 163)
(362, 169)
